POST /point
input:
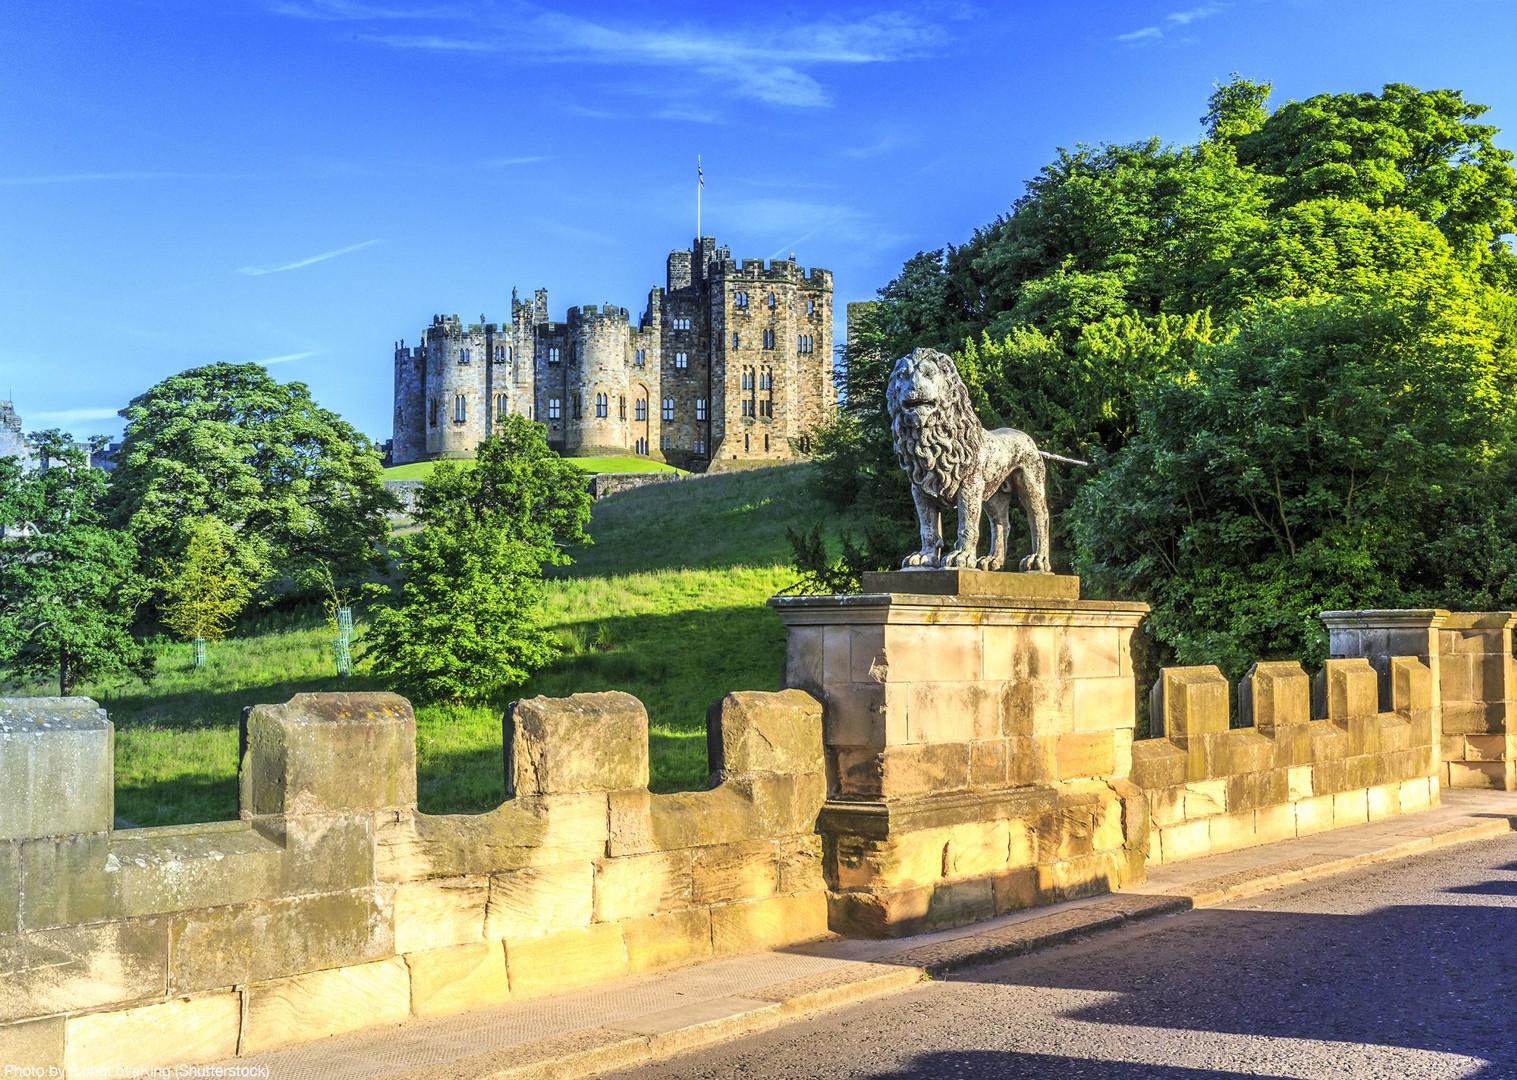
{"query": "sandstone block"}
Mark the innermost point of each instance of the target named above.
(78, 968)
(919, 770)
(747, 871)
(989, 761)
(978, 849)
(1015, 890)
(1272, 823)
(896, 913)
(1091, 754)
(1191, 701)
(61, 746)
(1167, 805)
(540, 900)
(635, 885)
(266, 939)
(1384, 801)
(668, 939)
(35, 1045)
(1314, 815)
(326, 753)
(568, 961)
(755, 732)
(956, 903)
(1353, 688)
(302, 1008)
(750, 925)
(803, 658)
(582, 743)
(837, 655)
(1205, 797)
(858, 770)
(1101, 704)
(799, 863)
(1275, 694)
(1478, 774)
(432, 915)
(938, 653)
(1229, 832)
(1185, 841)
(1411, 684)
(855, 715)
(10, 887)
(1157, 763)
(183, 1031)
(460, 977)
(1414, 795)
(1098, 652)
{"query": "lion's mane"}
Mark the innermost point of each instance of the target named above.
(942, 452)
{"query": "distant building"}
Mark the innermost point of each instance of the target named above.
(731, 361)
(12, 442)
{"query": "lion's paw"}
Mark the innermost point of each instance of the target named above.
(956, 559)
(919, 558)
(1036, 564)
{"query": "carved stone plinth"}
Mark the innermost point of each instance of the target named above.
(978, 744)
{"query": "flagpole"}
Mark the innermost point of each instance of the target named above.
(700, 182)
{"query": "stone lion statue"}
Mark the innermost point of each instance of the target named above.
(956, 464)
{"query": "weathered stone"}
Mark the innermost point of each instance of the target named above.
(755, 732)
(540, 900)
(284, 1012)
(965, 582)
(750, 925)
(412, 845)
(1190, 701)
(735, 872)
(1273, 695)
(450, 980)
(10, 887)
(432, 915)
(267, 939)
(586, 742)
(78, 968)
(326, 753)
(566, 961)
(182, 1031)
(35, 1045)
(61, 746)
(631, 886)
(668, 939)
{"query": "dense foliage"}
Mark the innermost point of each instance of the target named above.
(206, 589)
(69, 588)
(465, 621)
(300, 489)
(1289, 351)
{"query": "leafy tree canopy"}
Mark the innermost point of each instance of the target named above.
(68, 585)
(207, 588)
(465, 622)
(300, 488)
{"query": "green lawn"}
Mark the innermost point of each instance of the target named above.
(420, 470)
(667, 604)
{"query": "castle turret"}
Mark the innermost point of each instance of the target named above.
(410, 433)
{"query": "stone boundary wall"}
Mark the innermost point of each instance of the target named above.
(604, 484)
(1213, 789)
(333, 904)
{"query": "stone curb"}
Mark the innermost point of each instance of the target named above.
(646, 1039)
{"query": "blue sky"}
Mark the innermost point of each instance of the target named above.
(303, 182)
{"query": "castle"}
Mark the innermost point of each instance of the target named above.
(731, 361)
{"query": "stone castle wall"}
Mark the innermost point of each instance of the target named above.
(333, 904)
(676, 386)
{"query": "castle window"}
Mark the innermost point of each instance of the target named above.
(640, 411)
(553, 355)
(700, 408)
(463, 356)
(459, 409)
(500, 406)
(745, 444)
(621, 407)
(578, 407)
(771, 301)
(668, 408)
(740, 299)
(639, 357)
(810, 307)
(803, 343)
(640, 446)
(432, 412)
(747, 406)
(734, 339)
(700, 446)
(768, 339)
(766, 444)
(555, 408)
(500, 354)
(747, 378)
(766, 379)
(601, 409)
(531, 412)
(681, 324)
(681, 360)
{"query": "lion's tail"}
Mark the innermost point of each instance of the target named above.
(1061, 457)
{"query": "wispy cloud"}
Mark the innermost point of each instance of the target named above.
(770, 61)
(286, 358)
(259, 271)
(75, 416)
(1174, 20)
(1148, 33)
(507, 163)
(1185, 18)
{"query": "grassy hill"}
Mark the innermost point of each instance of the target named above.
(667, 604)
(420, 470)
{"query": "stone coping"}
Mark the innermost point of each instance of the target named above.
(1481, 620)
(929, 608)
(974, 583)
(22, 715)
(877, 819)
(1385, 619)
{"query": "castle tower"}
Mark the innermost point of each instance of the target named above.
(410, 431)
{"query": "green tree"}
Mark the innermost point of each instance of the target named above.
(69, 589)
(302, 489)
(208, 587)
(1314, 460)
(465, 620)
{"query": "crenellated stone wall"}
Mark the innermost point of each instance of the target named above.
(1211, 788)
(333, 904)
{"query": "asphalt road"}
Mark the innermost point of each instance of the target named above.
(1403, 970)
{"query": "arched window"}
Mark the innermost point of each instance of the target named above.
(460, 409)
(668, 408)
(601, 406)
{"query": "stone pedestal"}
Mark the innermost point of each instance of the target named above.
(978, 729)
